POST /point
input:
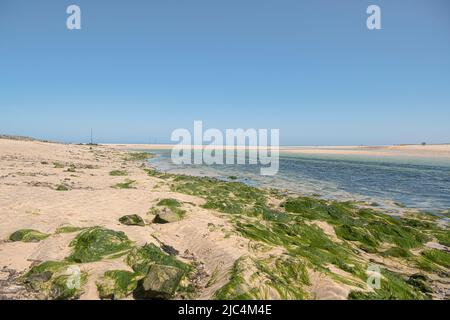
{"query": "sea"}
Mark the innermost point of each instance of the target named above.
(393, 183)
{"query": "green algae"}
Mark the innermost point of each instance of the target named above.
(173, 204)
(117, 284)
(141, 258)
(118, 173)
(28, 235)
(68, 229)
(127, 184)
(366, 226)
(138, 156)
(289, 226)
(57, 280)
(393, 286)
(228, 197)
(95, 243)
(396, 252)
(269, 278)
(439, 257)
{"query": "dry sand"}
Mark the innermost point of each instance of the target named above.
(28, 199)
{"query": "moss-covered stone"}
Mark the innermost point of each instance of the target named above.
(57, 280)
(96, 243)
(28, 235)
(117, 284)
(141, 258)
(165, 215)
(161, 282)
(132, 220)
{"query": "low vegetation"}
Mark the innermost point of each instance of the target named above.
(127, 184)
(118, 173)
(138, 156)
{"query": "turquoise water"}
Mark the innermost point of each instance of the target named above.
(415, 183)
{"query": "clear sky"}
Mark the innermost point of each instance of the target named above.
(139, 69)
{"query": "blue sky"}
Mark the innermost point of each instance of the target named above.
(139, 69)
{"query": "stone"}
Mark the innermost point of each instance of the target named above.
(166, 215)
(132, 220)
(161, 282)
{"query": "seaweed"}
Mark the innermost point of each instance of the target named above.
(95, 243)
(141, 258)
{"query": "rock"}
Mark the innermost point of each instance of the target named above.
(166, 215)
(55, 280)
(117, 284)
(28, 235)
(160, 282)
(132, 220)
(95, 243)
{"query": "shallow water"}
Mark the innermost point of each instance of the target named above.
(415, 183)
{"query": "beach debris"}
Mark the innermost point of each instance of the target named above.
(160, 282)
(95, 243)
(132, 220)
(28, 235)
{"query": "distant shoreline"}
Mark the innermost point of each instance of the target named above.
(441, 151)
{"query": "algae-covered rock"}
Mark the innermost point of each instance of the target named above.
(97, 242)
(141, 258)
(132, 220)
(28, 235)
(160, 282)
(166, 215)
(117, 284)
(57, 280)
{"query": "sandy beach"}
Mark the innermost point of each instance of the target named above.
(31, 172)
(441, 151)
(28, 199)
